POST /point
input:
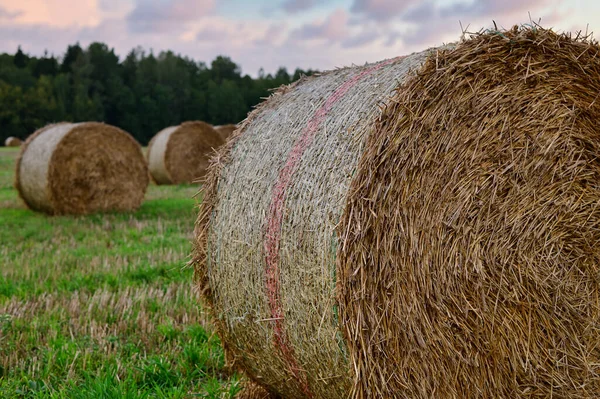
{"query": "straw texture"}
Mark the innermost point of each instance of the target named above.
(270, 268)
(81, 168)
(12, 142)
(377, 232)
(251, 390)
(180, 154)
(469, 266)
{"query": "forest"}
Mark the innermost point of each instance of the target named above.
(142, 94)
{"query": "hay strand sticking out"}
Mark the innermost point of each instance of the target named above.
(180, 154)
(81, 168)
(13, 142)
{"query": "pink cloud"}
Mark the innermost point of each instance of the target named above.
(53, 12)
(5, 14)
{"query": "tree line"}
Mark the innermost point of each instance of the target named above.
(141, 94)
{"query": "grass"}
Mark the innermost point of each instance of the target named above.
(103, 306)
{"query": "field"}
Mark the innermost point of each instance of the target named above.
(103, 306)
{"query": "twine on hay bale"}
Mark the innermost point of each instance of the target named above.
(13, 142)
(180, 154)
(81, 168)
(225, 130)
(443, 245)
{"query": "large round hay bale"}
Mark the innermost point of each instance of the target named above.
(225, 130)
(422, 227)
(13, 142)
(180, 154)
(81, 168)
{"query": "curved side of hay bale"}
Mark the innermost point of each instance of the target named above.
(33, 163)
(180, 154)
(226, 130)
(13, 142)
(266, 261)
(469, 263)
(156, 156)
(81, 168)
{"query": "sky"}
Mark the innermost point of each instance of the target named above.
(317, 34)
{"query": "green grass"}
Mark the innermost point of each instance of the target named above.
(103, 306)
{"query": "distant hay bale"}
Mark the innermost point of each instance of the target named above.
(81, 168)
(422, 227)
(180, 154)
(225, 130)
(13, 142)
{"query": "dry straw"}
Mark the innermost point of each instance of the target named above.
(13, 142)
(225, 131)
(81, 168)
(443, 245)
(180, 154)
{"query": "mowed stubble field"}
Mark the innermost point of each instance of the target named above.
(103, 305)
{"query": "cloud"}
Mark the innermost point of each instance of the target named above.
(5, 14)
(492, 8)
(212, 34)
(295, 6)
(431, 23)
(340, 37)
(381, 10)
(429, 11)
(109, 5)
(165, 16)
(361, 39)
(35, 39)
(273, 36)
(50, 12)
(334, 28)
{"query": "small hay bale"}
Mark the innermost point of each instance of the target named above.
(225, 130)
(81, 168)
(13, 142)
(180, 154)
(441, 245)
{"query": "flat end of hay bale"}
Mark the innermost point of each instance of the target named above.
(479, 185)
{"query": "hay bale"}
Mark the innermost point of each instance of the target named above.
(13, 142)
(81, 168)
(225, 130)
(251, 390)
(180, 154)
(443, 245)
